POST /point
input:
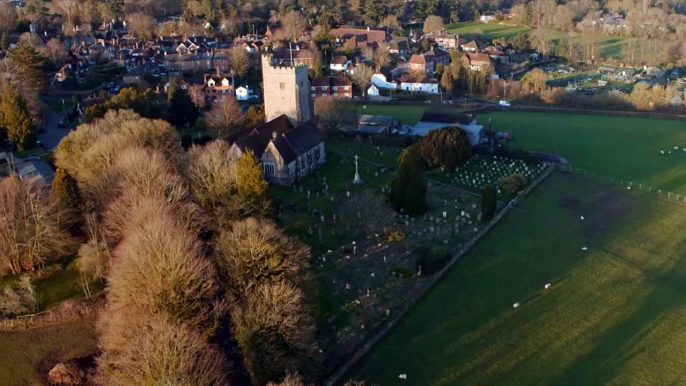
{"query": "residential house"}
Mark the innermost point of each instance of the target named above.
(419, 64)
(497, 56)
(135, 76)
(399, 45)
(473, 46)
(217, 86)
(335, 86)
(437, 56)
(205, 61)
(35, 170)
(487, 16)
(476, 61)
(242, 93)
(380, 80)
(423, 84)
(288, 153)
(428, 61)
(447, 41)
(436, 120)
(373, 90)
(359, 37)
(340, 64)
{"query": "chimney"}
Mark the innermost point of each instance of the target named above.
(274, 135)
(367, 28)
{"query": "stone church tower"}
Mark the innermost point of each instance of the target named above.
(286, 91)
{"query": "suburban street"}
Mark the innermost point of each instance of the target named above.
(52, 135)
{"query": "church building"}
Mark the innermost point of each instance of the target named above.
(288, 144)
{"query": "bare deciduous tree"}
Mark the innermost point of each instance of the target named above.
(7, 16)
(33, 225)
(331, 114)
(367, 211)
(224, 116)
(275, 332)
(292, 25)
(363, 76)
(142, 25)
(139, 345)
(254, 251)
(433, 24)
(55, 51)
(159, 267)
(382, 56)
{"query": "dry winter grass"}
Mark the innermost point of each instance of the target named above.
(614, 314)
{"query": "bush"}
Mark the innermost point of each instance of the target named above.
(432, 259)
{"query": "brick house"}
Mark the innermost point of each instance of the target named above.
(476, 61)
(335, 86)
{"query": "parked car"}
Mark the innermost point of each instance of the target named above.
(254, 97)
(504, 103)
(109, 85)
(61, 125)
(41, 130)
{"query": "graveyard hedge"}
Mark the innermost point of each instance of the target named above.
(448, 147)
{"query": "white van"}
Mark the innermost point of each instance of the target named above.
(504, 103)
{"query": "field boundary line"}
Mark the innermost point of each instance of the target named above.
(398, 315)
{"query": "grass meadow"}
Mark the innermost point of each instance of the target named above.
(610, 46)
(614, 314)
(622, 148)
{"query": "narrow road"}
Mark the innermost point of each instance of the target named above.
(52, 135)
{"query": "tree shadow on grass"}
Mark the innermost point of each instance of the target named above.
(621, 343)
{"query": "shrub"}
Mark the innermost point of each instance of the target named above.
(488, 202)
(432, 259)
(513, 183)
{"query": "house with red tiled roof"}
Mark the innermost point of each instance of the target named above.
(477, 61)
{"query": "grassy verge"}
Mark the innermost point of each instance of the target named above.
(27, 356)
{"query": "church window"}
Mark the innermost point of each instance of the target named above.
(269, 169)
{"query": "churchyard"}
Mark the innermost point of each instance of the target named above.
(365, 260)
(598, 273)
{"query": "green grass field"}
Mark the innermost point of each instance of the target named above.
(614, 314)
(623, 148)
(27, 356)
(610, 45)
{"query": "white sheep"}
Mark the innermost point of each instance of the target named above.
(515, 305)
(547, 286)
(403, 376)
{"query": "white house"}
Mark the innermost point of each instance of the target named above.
(340, 64)
(380, 81)
(487, 16)
(373, 91)
(242, 93)
(422, 84)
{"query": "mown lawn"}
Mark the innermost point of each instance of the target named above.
(614, 314)
(622, 148)
(489, 31)
(26, 356)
